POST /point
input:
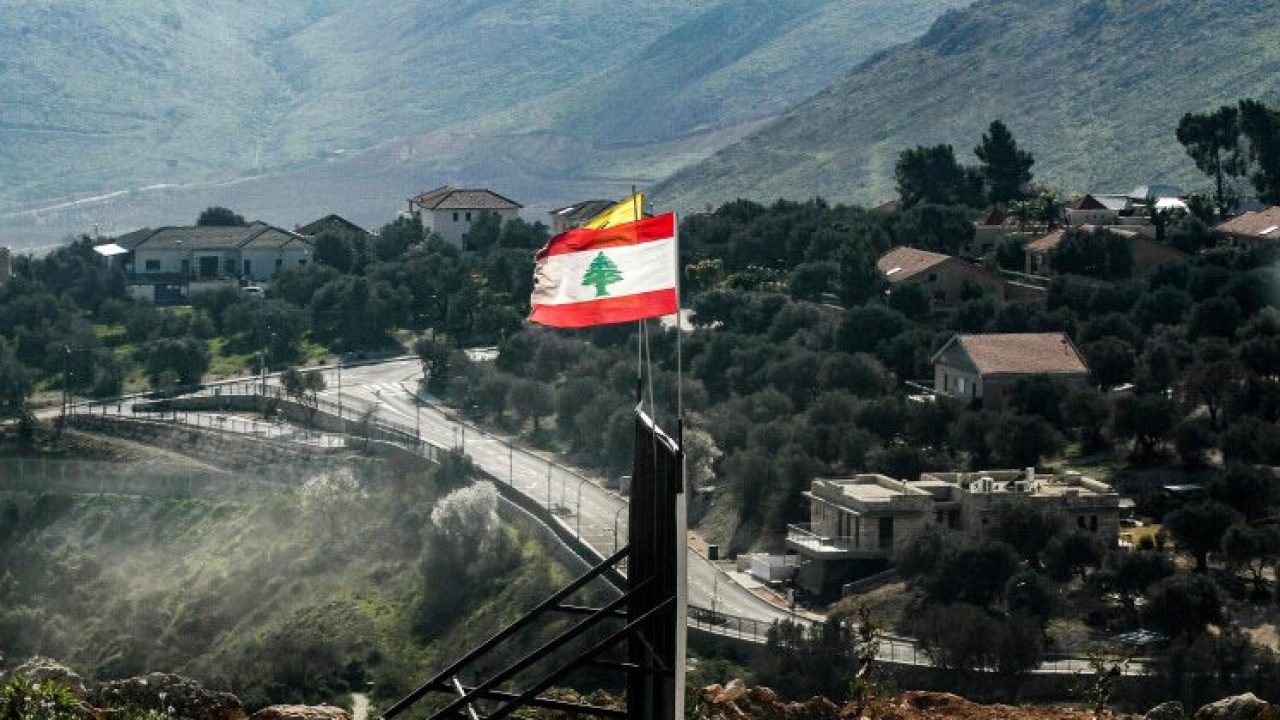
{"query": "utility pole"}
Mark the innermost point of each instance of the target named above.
(464, 439)
(548, 486)
(66, 382)
(340, 425)
(417, 420)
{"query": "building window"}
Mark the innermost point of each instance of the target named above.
(960, 385)
(940, 296)
(1093, 523)
(933, 277)
(279, 263)
(468, 217)
(248, 268)
(1080, 522)
(152, 265)
(455, 217)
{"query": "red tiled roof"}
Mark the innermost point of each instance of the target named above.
(1020, 353)
(903, 262)
(1046, 243)
(1253, 224)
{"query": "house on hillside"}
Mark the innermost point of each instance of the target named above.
(1097, 210)
(984, 369)
(856, 524)
(988, 231)
(449, 211)
(572, 216)
(167, 265)
(1147, 253)
(942, 277)
(332, 224)
(1252, 228)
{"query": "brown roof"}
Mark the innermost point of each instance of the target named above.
(451, 198)
(903, 262)
(1046, 243)
(1253, 224)
(332, 223)
(994, 216)
(1088, 202)
(1020, 353)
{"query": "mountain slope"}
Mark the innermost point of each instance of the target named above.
(1094, 88)
(334, 105)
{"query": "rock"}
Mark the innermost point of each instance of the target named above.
(1239, 707)
(300, 712)
(40, 669)
(1166, 711)
(173, 695)
(818, 708)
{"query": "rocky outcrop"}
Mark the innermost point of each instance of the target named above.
(1166, 711)
(300, 712)
(1239, 707)
(173, 695)
(40, 669)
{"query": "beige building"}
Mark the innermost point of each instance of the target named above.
(1253, 228)
(1148, 254)
(857, 524)
(942, 277)
(449, 212)
(984, 369)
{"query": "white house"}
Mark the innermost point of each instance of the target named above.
(449, 211)
(168, 264)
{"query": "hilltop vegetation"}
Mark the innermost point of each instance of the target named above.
(1093, 88)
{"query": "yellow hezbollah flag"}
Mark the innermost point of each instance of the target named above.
(627, 211)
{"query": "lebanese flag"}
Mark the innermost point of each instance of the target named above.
(619, 274)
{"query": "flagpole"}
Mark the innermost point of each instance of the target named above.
(682, 507)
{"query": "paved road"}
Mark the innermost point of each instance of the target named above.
(541, 476)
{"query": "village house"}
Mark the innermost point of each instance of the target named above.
(448, 211)
(572, 216)
(1098, 210)
(1148, 254)
(1252, 228)
(335, 224)
(984, 369)
(988, 232)
(168, 265)
(857, 524)
(942, 277)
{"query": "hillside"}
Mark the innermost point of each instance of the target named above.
(300, 595)
(346, 106)
(1093, 88)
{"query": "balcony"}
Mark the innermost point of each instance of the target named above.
(802, 539)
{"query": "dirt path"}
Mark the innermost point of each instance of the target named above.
(359, 706)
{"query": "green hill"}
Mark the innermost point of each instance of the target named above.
(1094, 88)
(101, 97)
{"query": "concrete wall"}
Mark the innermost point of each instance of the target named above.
(442, 223)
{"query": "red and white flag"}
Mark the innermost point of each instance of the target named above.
(619, 274)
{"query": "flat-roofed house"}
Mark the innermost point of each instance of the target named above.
(942, 277)
(572, 216)
(857, 524)
(168, 264)
(985, 368)
(448, 211)
(1253, 228)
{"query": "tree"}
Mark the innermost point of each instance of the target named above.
(1248, 490)
(1261, 128)
(932, 175)
(334, 250)
(812, 280)
(1070, 554)
(484, 233)
(1087, 411)
(532, 400)
(16, 381)
(1183, 605)
(1026, 528)
(1212, 140)
(976, 573)
(1022, 440)
(940, 228)
(395, 239)
(1029, 593)
(1130, 572)
(1098, 253)
(1147, 419)
(601, 273)
(186, 358)
(1252, 547)
(218, 216)
(1005, 168)
(1111, 361)
(1198, 529)
(435, 357)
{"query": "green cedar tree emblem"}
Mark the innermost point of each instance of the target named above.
(601, 273)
